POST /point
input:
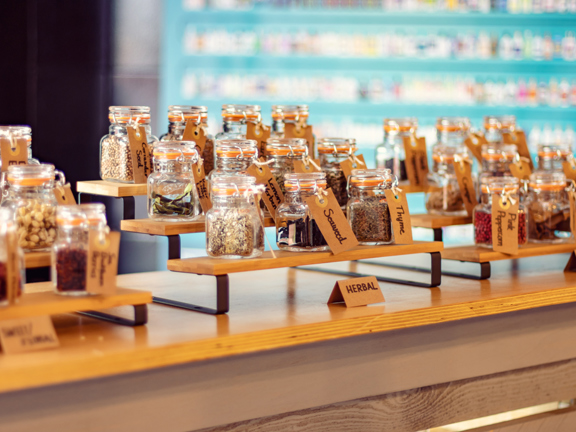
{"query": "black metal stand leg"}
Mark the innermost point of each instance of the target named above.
(84, 198)
(571, 264)
(173, 247)
(39, 274)
(485, 272)
(129, 207)
(435, 272)
(140, 316)
(222, 299)
(437, 234)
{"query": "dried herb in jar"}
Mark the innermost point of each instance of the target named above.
(302, 232)
(336, 180)
(370, 220)
(182, 204)
(71, 269)
(483, 228)
(452, 203)
(232, 234)
(402, 175)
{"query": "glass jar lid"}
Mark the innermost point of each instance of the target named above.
(400, 125)
(337, 146)
(379, 177)
(241, 113)
(95, 214)
(16, 131)
(236, 148)
(499, 152)
(71, 216)
(549, 151)
(292, 147)
(499, 184)
(33, 175)
(235, 185)
(453, 124)
(549, 181)
(185, 151)
(293, 182)
(183, 113)
(447, 154)
(129, 114)
(503, 123)
(290, 112)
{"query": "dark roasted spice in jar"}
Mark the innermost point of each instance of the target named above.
(334, 151)
(71, 267)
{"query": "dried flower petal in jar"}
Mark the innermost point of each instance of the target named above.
(234, 224)
(390, 154)
(444, 196)
(296, 230)
(9, 246)
(284, 152)
(367, 209)
(332, 152)
(548, 208)
(552, 156)
(482, 216)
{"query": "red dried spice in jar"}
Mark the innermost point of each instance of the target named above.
(483, 211)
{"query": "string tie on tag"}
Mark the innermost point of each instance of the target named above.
(355, 159)
(12, 140)
(135, 124)
(507, 196)
(396, 190)
(462, 160)
(307, 161)
(571, 187)
(321, 193)
(261, 164)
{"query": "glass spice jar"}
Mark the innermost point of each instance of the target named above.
(95, 215)
(443, 196)
(284, 152)
(548, 208)
(9, 227)
(235, 118)
(482, 216)
(172, 195)
(332, 152)
(234, 224)
(29, 193)
(367, 209)
(496, 160)
(178, 116)
(296, 229)
(115, 155)
(70, 251)
(495, 126)
(233, 157)
(283, 114)
(552, 156)
(390, 154)
(15, 132)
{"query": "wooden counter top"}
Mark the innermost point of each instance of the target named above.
(273, 309)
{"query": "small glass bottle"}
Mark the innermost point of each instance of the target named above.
(548, 208)
(30, 194)
(172, 195)
(235, 118)
(233, 157)
(443, 196)
(495, 126)
(234, 224)
(367, 209)
(15, 132)
(178, 116)
(115, 155)
(482, 216)
(332, 152)
(284, 152)
(552, 156)
(296, 229)
(496, 160)
(70, 252)
(390, 154)
(9, 228)
(283, 114)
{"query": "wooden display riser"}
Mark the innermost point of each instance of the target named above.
(483, 256)
(50, 303)
(437, 222)
(37, 259)
(221, 268)
(124, 191)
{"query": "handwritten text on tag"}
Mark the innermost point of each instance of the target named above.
(102, 262)
(400, 215)
(17, 156)
(27, 334)
(140, 154)
(202, 187)
(273, 195)
(416, 161)
(504, 225)
(463, 171)
(357, 292)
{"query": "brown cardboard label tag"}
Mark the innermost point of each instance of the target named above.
(569, 168)
(504, 225)
(64, 195)
(521, 169)
(474, 143)
(195, 132)
(400, 215)
(352, 163)
(416, 161)
(519, 138)
(304, 166)
(463, 169)
(293, 130)
(202, 187)
(332, 222)
(357, 292)
(102, 265)
(13, 270)
(140, 154)
(27, 334)
(572, 197)
(17, 156)
(260, 133)
(272, 195)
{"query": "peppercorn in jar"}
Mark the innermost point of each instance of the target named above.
(9, 238)
(332, 152)
(367, 209)
(296, 229)
(283, 152)
(390, 154)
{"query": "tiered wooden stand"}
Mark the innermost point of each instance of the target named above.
(484, 256)
(437, 222)
(221, 268)
(50, 303)
(124, 191)
(37, 259)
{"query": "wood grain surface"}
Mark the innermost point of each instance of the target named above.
(37, 259)
(481, 254)
(563, 420)
(111, 189)
(437, 221)
(215, 266)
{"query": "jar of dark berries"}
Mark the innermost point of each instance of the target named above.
(9, 239)
(482, 217)
(29, 192)
(235, 119)
(172, 195)
(496, 126)
(233, 157)
(178, 117)
(13, 133)
(496, 160)
(548, 208)
(115, 154)
(234, 224)
(552, 156)
(332, 152)
(390, 154)
(367, 208)
(70, 252)
(283, 152)
(296, 229)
